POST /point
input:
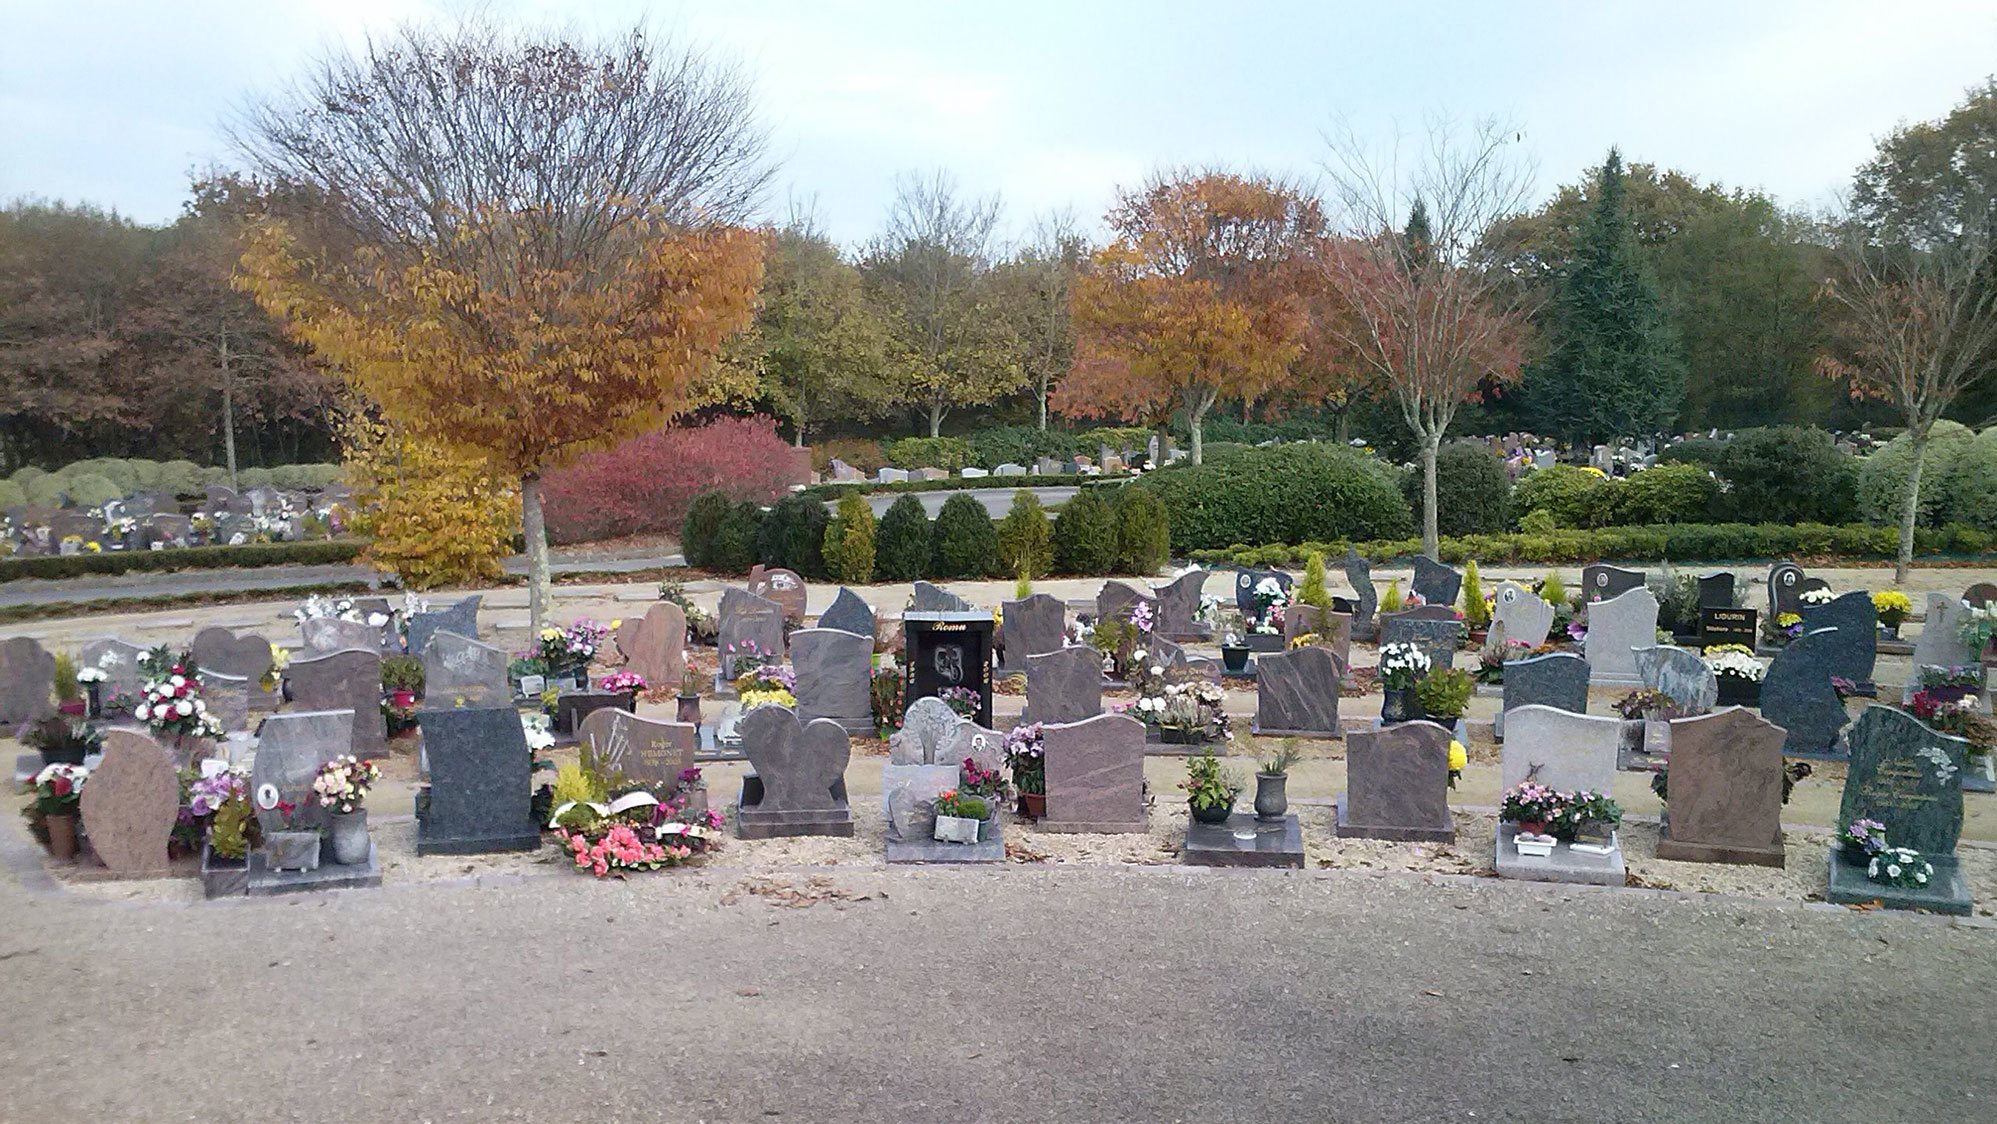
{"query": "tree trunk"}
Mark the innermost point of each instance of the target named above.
(1195, 417)
(1910, 504)
(1431, 543)
(1042, 396)
(535, 530)
(936, 412)
(228, 406)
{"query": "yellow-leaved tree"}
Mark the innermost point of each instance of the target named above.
(432, 514)
(521, 247)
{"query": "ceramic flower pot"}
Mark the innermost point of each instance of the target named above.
(1033, 805)
(349, 834)
(689, 709)
(291, 850)
(1211, 813)
(1234, 658)
(1271, 796)
(1399, 705)
(62, 836)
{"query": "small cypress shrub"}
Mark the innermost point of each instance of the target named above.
(1085, 535)
(902, 541)
(735, 540)
(793, 536)
(1311, 591)
(703, 521)
(967, 542)
(1143, 534)
(849, 541)
(1026, 539)
(1476, 613)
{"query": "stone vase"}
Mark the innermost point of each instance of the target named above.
(1399, 705)
(1211, 813)
(291, 850)
(62, 836)
(1271, 796)
(95, 694)
(349, 835)
(1234, 658)
(689, 709)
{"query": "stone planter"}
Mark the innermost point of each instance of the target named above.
(957, 829)
(1735, 691)
(1265, 642)
(1271, 796)
(349, 836)
(291, 850)
(1181, 735)
(1211, 813)
(1234, 658)
(222, 877)
(689, 709)
(1399, 705)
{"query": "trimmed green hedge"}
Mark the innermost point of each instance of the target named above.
(1287, 493)
(1683, 542)
(248, 555)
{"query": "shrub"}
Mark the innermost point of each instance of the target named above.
(1472, 490)
(703, 522)
(1026, 539)
(902, 542)
(253, 478)
(1289, 493)
(1972, 486)
(1576, 498)
(1023, 444)
(1135, 438)
(434, 515)
(862, 454)
(849, 541)
(1537, 523)
(88, 489)
(1311, 591)
(1693, 450)
(1085, 535)
(1788, 474)
(967, 542)
(1445, 693)
(402, 673)
(182, 478)
(28, 474)
(736, 539)
(322, 553)
(646, 485)
(1143, 535)
(12, 494)
(793, 536)
(1882, 477)
(1476, 612)
(119, 472)
(46, 490)
(145, 474)
(304, 476)
(950, 453)
(1666, 493)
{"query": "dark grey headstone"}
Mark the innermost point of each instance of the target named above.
(1065, 685)
(290, 748)
(1982, 593)
(1397, 784)
(461, 618)
(1296, 693)
(1716, 591)
(228, 697)
(1906, 776)
(1033, 627)
(573, 707)
(459, 668)
(1796, 695)
(347, 680)
(1359, 573)
(1785, 588)
(834, 677)
(1601, 581)
(747, 619)
(928, 598)
(331, 634)
(246, 657)
(481, 783)
(848, 613)
(1856, 645)
(800, 774)
(1439, 639)
(1680, 674)
(1557, 679)
(27, 681)
(1245, 582)
(1435, 583)
(1116, 599)
(1177, 603)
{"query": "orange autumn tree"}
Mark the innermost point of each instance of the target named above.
(1194, 300)
(523, 247)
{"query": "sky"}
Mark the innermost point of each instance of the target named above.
(1055, 106)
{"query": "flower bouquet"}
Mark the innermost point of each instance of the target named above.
(172, 707)
(641, 832)
(58, 795)
(1893, 608)
(1862, 839)
(1900, 867)
(963, 701)
(767, 683)
(1026, 761)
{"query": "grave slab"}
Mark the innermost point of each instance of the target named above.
(1272, 844)
(1564, 865)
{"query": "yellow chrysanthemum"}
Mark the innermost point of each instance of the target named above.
(1458, 756)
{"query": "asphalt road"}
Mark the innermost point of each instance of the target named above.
(997, 501)
(1015, 994)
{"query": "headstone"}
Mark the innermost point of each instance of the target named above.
(1397, 785)
(782, 586)
(970, 472)
(654, 645)
(1435, 583)
(1680, 674)
(1526, 615)
(1856, 645)
(834, 677)
(228, 697)
(1115, 600)
(331, 634)
(1982, 593)
(1560, 748)
(908, 799)
(1438, 638)
(1785, 589)
(345, 680)
(1245, 582)
(458, 668)
(1796, 695)
(1065, 685)
(461, 618)
(1556, 679)
(1940, 642)
(1601, 581)
(892, 476)
(930, 474)
(1333, 631)
(968, 739)
(1728, 625)
(1726, 790)
(27, 681)
(1009, 469)
(950, 650)
(1616, 628)
(119, 660)
(1095, 775)
(130, 803)
(221, 498)
(1177, 603)
(481, 795)
(843, 471)
(1046, 466)
(1296, 693)
(1908, 778)
(290, 748)
(848, 613)
(928, 598)
(748, 623)
(1033, 627)
(573, 707)
(924, 728)
(246, 657)
(799, 784)
(1716, 590)
(646, 751)
(1359, 573)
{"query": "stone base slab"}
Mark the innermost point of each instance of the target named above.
(1346, 830)
(264, 882)
(1947, 892)
(1276, 844)
(990, 849)
(1067, 827)
(752, 824)
(1328, 735)
(1563, 865)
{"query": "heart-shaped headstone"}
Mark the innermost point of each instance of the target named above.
(245, 657)
(797, 764)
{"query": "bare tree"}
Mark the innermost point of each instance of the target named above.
(1426, 312)
(1919, 326)
(1040, 284)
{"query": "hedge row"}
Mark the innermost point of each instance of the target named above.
(1685, 542)
(321, 553)
(94, 482)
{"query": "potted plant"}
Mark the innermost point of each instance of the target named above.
(1902, 867)
(1025, 760)
(767, 683)
(62, 740)
(223, 798)
(68, 691)
(626, 683)
(888, 687)
(689, 697)
(295, 846)
(173, 710)
(341, 786)
(1949, 684)
(964, 701)
(1444, 694)
(1860, 840)
(1960, 717)
(58, 794)
(1271, 780)
(1893, 607)
(960, 817)
(1265, 632)
(567, 652)
(1585, 815)
(1738, 673)
(1234, 643)
(1402, 666)
(1640, 709)
(1210, 789)
(1532, 806)
(1979, 630)
(93, 680)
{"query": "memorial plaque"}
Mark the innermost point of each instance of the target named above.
(1728, 626)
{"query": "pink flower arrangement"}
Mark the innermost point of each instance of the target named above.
(622, 681)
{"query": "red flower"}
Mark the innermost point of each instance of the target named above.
(60, 785)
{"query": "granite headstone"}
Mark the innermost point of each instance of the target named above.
(1032, 627)
(1397, 785)
(1726, 790)
(834, 677)
(130, 803)
(481, 794)
(799, 783)
(1796, 695)
(1296, 693)
(461, 618)
(748, 625)
(1680, 674)
(782, 586)
(345, 680)
(1616, 628)
(290, 748)
(1526, 615)
(1359, 573)
(646, 751)
(27, 681)
(1601, 581)
(1095, 775)
(1435, 583)
(848, 613)
(928, 598)
(1065, 685)
(654, 645)
(459, 668)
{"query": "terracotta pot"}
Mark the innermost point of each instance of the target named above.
(1532, 827)
(62, 836)
(1033, 805)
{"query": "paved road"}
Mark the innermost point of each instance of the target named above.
(998, 501)
(1077, 994)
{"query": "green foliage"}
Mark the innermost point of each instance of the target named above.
(1026, 539)
(1208, 783)
(950, 453)
(1135, 438)
(230, 829)
(28, 474)
(252, 477)
(864, 455)
(186, 558)
(736, 540)
(1085, 535)
(849, 542)
(91, 489)
(46, 491)
(1311, 591)
(1476, 612)
(703, 522)
(1665, 493)
(1576, 498)
(1972, 485)
(402, 673)
(1390, 601)
(1537, 523)
(67, 689)
(1022, 444)
(573, 782)
(1677, 601)
(1472, 489)
(902, 549)
(1693, 450)
(182, 478)
(1288, 493)
(12, 494)
(1882, 477)
(1445, 692)
(1551, 590)
(792, 536)
(1788, 474)
(1143, 532)
(967, 542)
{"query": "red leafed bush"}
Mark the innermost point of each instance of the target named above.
(645, 485)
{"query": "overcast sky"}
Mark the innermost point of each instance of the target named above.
(1056, 105)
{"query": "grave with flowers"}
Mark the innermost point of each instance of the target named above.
(942, 789)
(1557, 818)
(950, 655)
(1900, 817)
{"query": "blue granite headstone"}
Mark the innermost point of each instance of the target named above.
(1435, 583)
(481, 783)
(1856, 620)
(1796, 695)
